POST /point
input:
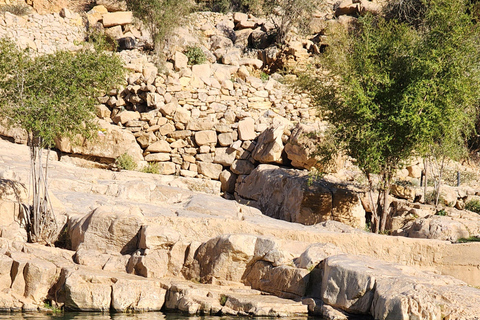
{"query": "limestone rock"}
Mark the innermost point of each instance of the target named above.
(301, 146)
(210, 170)
(159, 146)
(106, 230)
(287, 195)
(434, 227)
(110, 143)
(269, 146)
(205, 137)
(113, 5)
(246, 129)
(157, 237)
(117, 18)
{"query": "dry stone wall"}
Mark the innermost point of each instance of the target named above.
(44, 33)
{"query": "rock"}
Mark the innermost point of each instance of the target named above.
(242, 167)
(210, 170)
(200, 124)
(106, 230)
(159, 146)
(301, 147)
(403, 192)
(228, 180)
(206, 137)
(110, 143)
(434, 227)
(99, 260)
(180, 61)
(282, 281)
(288, 195)
(246, 129)
(156, 237)
(137, 295)
(315, 254)
(166, 168)
(157, 157)
(269, 146)
(225, 156)
(225, 139)
(117, 18)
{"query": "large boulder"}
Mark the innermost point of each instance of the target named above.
(363, 285)
(292, 195)
(434, 227)
(105, 229)
(269, 146)
(111, 143)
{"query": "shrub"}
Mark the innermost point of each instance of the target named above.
(160, 17)
(195, 55)
(16, 9)
(125, 162)
(247, 6)
(152, 167)
(441, 212)
(473, 205)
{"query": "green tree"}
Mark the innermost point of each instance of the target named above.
(393, 90)
(160, 17)
(51, 96)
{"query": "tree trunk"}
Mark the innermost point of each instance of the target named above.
(385, 205)
(41, 222)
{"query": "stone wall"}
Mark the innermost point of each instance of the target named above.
(44, 33)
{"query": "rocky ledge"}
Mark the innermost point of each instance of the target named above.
(131, 241)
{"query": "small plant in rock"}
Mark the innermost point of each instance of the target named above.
(195, 55)
(469, 239)
(223, 300)
(125, 162)
(441, 212)
(264, 76)
(473, 205)
(152, 167)
(16, 9)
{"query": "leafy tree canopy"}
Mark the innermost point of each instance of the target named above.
(394, 89)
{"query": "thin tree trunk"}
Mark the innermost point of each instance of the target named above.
(386, 204)
(438, 184)
(425, 168)
(375, 222)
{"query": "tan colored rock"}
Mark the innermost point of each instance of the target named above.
(242, 167)
(210, 170)
(117, 18)
(40, 276)
(125, 116)
(156, 237)
(159, 146)
(434, 227)
(269, 146)
(206, 137)
(111, 143)
(106, 230)
(225, 156)
(152, 265)
(180, 61)
(246, 129)
(288, 195)
(137, 295)
(182, 115)
(315, 254)
(166, 168)
(157, 157)
(301, 146)
(200, 124)
(101, 261)
(403, 191)
(228, 180)
(225, 139)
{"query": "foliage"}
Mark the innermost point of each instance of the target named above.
(264, 76)
(16, 9)
(411, 12)
(393, 90)
(286, 14)
(469, 239)
(51, 96)
(223, 300)
(195, 55)
(473, 205)
(152, 167)
(101, 41)
(441, 212)
(126, 162)
(247, 6)
(159, 16)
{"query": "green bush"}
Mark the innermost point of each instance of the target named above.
(473, 205)
(152, 167)
(195, 55)
(125, 162)
(247, 6)
(16, 9)
(441, 212)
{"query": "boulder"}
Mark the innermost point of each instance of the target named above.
(106, 229)
(206, 137)
(290, 195)
(302, 145)
(315, 254)
(434, 227)
(111, 143)
(113, 5)
(210, 170)
(117, 18)
(269, 146)
(159, 146)
(156, 237)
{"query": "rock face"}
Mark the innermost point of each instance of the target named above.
(288, 195)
